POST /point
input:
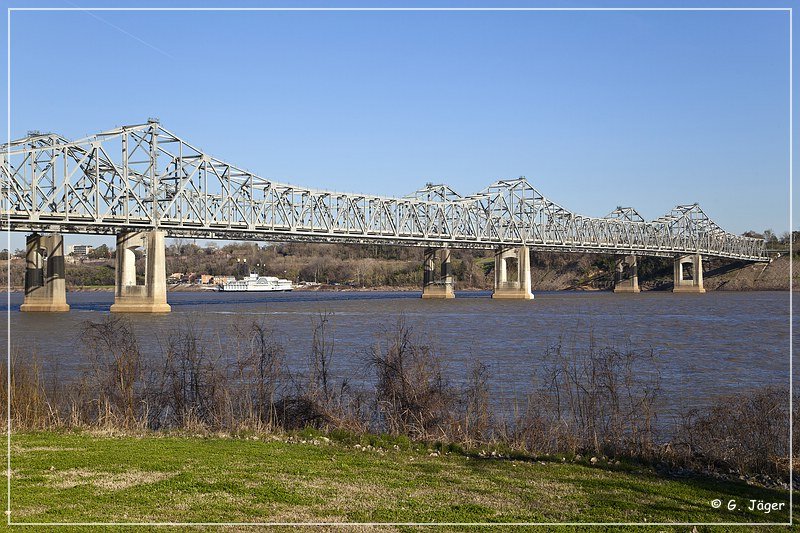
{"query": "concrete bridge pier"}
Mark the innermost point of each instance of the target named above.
(520, 287)
(151, 297)
(626, 274)
(689, 274)
(433, 288)
(45, 284)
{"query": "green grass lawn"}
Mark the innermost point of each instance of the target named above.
(83, 477)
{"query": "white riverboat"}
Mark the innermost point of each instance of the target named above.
(256, 283)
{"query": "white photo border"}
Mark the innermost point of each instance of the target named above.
(9, 522)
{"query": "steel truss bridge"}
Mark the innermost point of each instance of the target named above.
(144, 177)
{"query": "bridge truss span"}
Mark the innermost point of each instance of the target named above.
(143, 177)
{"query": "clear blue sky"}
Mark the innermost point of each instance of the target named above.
(596, 109)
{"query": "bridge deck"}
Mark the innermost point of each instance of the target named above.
(145, 177)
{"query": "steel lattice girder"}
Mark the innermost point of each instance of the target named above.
(143, 176)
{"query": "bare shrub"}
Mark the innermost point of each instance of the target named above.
(412, 396)
(32, 405)
(316, 400)
(189, 389)
(258, 367)
(298, 412)
(113, 380)
(476, 424)
(598, 399)
(746, 433)
(309, 405)
(321, 356)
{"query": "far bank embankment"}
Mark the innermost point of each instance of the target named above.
(340, 268)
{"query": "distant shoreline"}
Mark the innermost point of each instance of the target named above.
(319, 288)
(329, 288)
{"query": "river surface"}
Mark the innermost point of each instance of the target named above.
(705, 345)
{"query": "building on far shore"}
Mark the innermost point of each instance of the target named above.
(80, 249)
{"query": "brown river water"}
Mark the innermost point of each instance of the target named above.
(705, 345)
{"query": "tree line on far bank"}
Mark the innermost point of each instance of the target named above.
(356, 265)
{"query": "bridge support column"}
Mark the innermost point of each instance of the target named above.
(626, 274)
(689, 274)
(442, 287)
(519, 288)
(45, 284)
(152, 296)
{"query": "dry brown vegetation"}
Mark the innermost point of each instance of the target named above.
(599, 401)
(740, 433)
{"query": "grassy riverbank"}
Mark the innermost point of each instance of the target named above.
(87, 477)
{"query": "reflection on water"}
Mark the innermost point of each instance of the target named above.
(706, 345)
